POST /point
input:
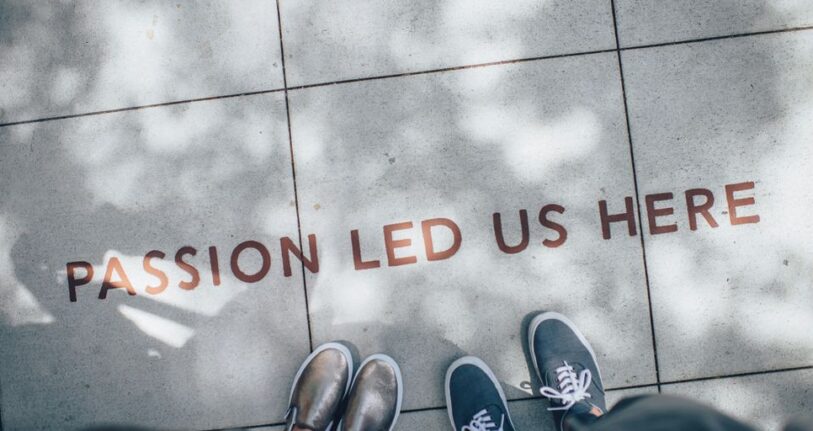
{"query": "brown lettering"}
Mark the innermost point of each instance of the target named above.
(113, 265)
(264, 255)
(357, 261)
(628, 216)
(733, 203)
(426, 227)
(73, 282)
(703, 209)
(653, 213)
(288, 246)
(523, 220)
(215, 264)
(391, 244)
(543, 219)
(187, 285)
(163, 281)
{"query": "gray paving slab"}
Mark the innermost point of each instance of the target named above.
(463, 145)
(642, 22)
(767, 401)
(735, 298)
(110, 188)
(326, 42)
(67, 58)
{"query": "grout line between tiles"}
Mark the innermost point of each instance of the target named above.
(545, 57)
(451, 69)
(637, 201)
(135, 108)
(293, 174)
(404, 74)
(746, 374)
(712, 38)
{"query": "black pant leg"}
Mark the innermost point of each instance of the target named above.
(659, 413)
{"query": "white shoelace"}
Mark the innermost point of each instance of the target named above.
(572, 387)
(482, 422)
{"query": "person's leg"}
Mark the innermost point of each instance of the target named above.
(566, 365)
(660, 413)
(474, 399)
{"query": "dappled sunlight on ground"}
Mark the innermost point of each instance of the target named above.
(355, 174)
(120, 54)
(213, 349)
(167, 331)
(209, 174)
(740, 291)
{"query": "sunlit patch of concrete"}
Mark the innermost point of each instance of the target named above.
(74, 58)
(533, 151)
(335, 41)
(481, 83)
(167, 331)
(67, 85)
(738, 293)
(692, 311)
(313, 134)
(485, 122)
(179, 131)
(20, 306)
(268, 215)
(469, 25)
(124, 159)
(349, 298)
(456, 324)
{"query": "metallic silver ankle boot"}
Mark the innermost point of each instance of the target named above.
(321, 383)
(375, 397)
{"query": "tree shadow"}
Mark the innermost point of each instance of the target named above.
(461, 144)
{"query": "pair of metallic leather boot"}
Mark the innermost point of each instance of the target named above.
(326, 396)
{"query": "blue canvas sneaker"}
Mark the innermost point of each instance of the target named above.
(474, 398)
(566, 366)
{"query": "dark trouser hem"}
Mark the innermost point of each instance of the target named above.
(657, 413)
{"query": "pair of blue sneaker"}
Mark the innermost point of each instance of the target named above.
(564, 362)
